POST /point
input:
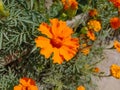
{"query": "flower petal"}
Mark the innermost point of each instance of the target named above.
(71, 46)
(33, 87)
(65, 53)
(18, 87)
(56, 57)
(54, 26)
(60, 28)
(71, 42)
(45, 29)
(42, 42)
(91, 35)
(46, 51)
(64, 30)
(67, 32)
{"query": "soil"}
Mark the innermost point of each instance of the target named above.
(108, 83)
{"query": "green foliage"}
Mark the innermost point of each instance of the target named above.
(8, 80)
(55, 9)
(19, 56)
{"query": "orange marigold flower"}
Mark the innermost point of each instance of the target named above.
(80, 88)
(115, 22)
(94, 25)
(93, 12)
(59, 41)
(116, 3)
(91, 35)
(117, 45)
(115, 71)
(96, 69)
(70, 4)
(26, 84)
(86, 50)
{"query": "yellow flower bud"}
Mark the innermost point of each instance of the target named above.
(1, 6)
(3, 12)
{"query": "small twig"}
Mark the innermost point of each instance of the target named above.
(102, 75)
(77, 20)
(17, 55)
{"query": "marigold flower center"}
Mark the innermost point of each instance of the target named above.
(56, 42)
(26, 88)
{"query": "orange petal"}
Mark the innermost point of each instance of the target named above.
(71, 42)
(67, 31)
(19, 87)
(62, 29)
(62, 26)
(42, 42)
(46, 51)
(72, 46)
(33, 87)
(23, 82)
(56, 57)
(65, 53)
(71, 51)
(91, 35)
(54, 25)
(45, 29)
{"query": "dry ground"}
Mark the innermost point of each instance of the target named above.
(108, 83)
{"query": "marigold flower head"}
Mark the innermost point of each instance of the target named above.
(115, 71)
(80, 88)
(117, 45)
(70, 4)
(26, 84)
(91, 35)
(116, 3)
(93, 12)
(115, 22)
(96, 70)
(59, 41)
(94, 25)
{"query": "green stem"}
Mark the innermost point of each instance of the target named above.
(102, 75)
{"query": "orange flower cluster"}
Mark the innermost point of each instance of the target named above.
(115, 71)
(59, 41)
(26, 84)
(115, 23)
(117, 45)
(116, 3)
(93, 12)
(70, 4)
(80, 88)
(93, 25)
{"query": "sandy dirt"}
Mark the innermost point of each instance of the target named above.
(108, 83)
